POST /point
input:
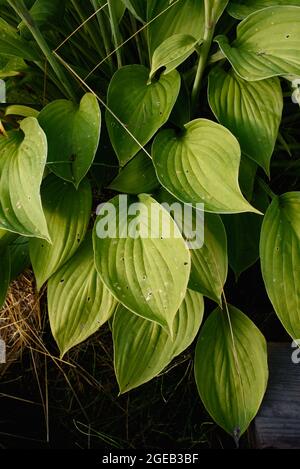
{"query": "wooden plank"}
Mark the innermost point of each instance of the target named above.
(277, 424)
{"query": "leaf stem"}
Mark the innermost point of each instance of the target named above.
(21, 10)
(266, 188)
(209, 29)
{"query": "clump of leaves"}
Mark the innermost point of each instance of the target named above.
(191, 93)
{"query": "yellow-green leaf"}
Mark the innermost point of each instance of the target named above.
(231, 369)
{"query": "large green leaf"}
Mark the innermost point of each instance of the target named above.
(172, 52)
(177, 17)
(45, 14)
(73, 133)
(231, 369)
(251, 111)
(210, 263)
(142, 107)
(145, 263)
(67, 212)
(208, 251)
(5, 269)
(142, 349)
(137, 177)
(201, 166)
(280, 259)
(22, 161)
(267, 44)
(241, 8)
(78, 301)
(12, 44)
(243, 234)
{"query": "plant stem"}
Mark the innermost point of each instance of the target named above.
(21, 10)
(115, 32)
(209, 29)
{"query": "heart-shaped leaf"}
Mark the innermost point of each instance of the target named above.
(241, 8)
(5, 269)
(251, 111)
(142, 107)
(78, 301)
(137, 177)
(142, 257)
(267, 44)
(180, 17)
(172, 52)
(201, 166)
(231, 369)
(73, 134)
(67, 212)
(280, 259)
(23, 157)
(142, 349)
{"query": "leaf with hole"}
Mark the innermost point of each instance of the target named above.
(142, 257)
(23, 156)
(280, 259)
(142, 348)
(140, 106)
(231, 369)
(201, 165)
(78, 301)
(73, 133)
(267, 44)
(251, 111)
(67, 212)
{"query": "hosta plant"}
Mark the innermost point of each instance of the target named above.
(118, 108)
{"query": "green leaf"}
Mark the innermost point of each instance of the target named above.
(181, 17)
(242, 8)
(12, 66)
(22, 162)
(210, 263)
(280, 259)
(138, 8)
(137, 177)
(11, 44)
(142, 349)
(67, 212)
(201, 166)
(45, 14)
(243, 234)
(251, 111)
(247, 175)
(145, 263)
(172, 52)
(6, 238)
(143, 108)
(78, 301)
(267, 44)
(73, 133)
(19, 110)
(5, 268)
(231, 369)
